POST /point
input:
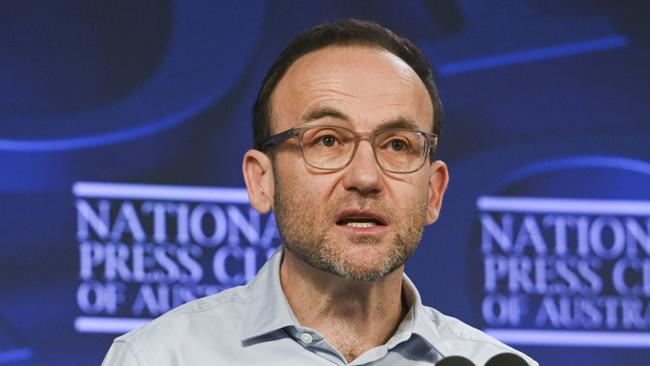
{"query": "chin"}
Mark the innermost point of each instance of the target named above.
(368, 270)
(365, 275)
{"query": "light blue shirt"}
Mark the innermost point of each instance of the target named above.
(254, 325)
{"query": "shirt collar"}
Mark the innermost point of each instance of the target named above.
(421, 322)
(268, 310)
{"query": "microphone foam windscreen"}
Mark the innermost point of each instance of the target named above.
(506, 359)
(455, 361)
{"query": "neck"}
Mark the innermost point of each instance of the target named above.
(353, 316)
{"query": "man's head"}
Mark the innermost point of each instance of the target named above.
(341, 33)
(358, 221)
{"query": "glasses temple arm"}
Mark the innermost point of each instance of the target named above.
(279, 138)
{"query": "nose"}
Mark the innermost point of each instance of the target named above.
(363, 174)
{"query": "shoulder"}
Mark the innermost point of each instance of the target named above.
(203, 320)
(465, 340)
(453, 329)
(227, 306)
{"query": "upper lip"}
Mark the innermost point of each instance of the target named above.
(360, 214)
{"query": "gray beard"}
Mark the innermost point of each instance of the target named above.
(332, 262)
(301, 237)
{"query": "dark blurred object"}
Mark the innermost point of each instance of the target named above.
(506, 359)
(455, 361)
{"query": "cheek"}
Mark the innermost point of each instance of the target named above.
(293, 172)
(409, 198)
(290, 171)
(408, 189)
(301, 184)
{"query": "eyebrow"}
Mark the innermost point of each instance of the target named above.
(324, 112)
(328, 112)
(399, 122)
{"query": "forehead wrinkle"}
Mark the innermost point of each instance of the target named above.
(321, 90)
(322, 87)
(318, 112)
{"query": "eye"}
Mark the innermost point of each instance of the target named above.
(327, 140)
(398, 145)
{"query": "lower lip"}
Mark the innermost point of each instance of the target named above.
(363, 230)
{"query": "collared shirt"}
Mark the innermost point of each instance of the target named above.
(254, 325)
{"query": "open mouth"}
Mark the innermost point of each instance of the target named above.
(360, 220)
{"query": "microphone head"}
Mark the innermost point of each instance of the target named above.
(506, 359)
(455, 361)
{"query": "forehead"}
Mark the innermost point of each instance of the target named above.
(369, 86)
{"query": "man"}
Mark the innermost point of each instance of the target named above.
(345, 126)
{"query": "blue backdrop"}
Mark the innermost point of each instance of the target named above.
(117, 116)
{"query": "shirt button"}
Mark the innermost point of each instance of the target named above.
(307, 338)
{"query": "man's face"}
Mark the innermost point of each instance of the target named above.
(359, 222)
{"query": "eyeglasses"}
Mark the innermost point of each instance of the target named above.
(396, 150)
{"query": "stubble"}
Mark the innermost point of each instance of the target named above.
(305, 232)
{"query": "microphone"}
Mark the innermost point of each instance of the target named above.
(455, 361)
(506, 359)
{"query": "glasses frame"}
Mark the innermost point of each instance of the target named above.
(431, 140)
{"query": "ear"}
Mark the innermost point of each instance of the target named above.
(258, 175)
(438, 180)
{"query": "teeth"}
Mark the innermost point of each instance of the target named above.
(361, 224)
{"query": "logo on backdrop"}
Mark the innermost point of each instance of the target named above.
(145, 249)
(565, 263)
(565, 271)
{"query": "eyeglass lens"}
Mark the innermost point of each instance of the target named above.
(396, 150)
